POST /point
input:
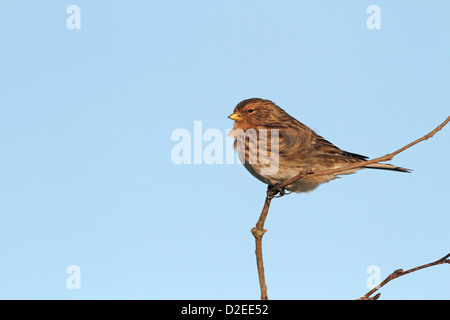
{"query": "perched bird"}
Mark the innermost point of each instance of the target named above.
(273, 146)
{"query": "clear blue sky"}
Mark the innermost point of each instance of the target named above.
(87, 179)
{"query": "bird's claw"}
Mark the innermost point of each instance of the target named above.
(276, 191)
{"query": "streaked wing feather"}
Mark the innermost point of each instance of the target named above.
(325, 147)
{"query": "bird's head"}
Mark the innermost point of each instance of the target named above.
(256, 112)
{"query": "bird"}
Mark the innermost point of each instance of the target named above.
(274, 147)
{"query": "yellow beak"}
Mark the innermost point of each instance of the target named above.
(235, 117)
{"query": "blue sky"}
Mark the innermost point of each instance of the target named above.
(87, 179)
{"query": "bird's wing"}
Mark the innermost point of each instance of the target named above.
(326, 148)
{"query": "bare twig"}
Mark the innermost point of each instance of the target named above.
(361, 164)
(258, 231)
(398, 273)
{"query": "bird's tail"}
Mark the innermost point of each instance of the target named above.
(386, 166)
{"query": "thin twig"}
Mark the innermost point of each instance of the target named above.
(361, 164)
(258, 231)
(398, 273)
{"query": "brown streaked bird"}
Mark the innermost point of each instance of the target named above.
(284, 143)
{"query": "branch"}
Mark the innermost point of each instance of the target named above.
(272, 191)
(258, 232)
(361, 164)
(398, 273)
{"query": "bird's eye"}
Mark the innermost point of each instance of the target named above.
(250, 110)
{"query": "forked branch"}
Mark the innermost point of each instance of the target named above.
(398, 273)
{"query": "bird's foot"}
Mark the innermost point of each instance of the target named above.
(276, 191)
